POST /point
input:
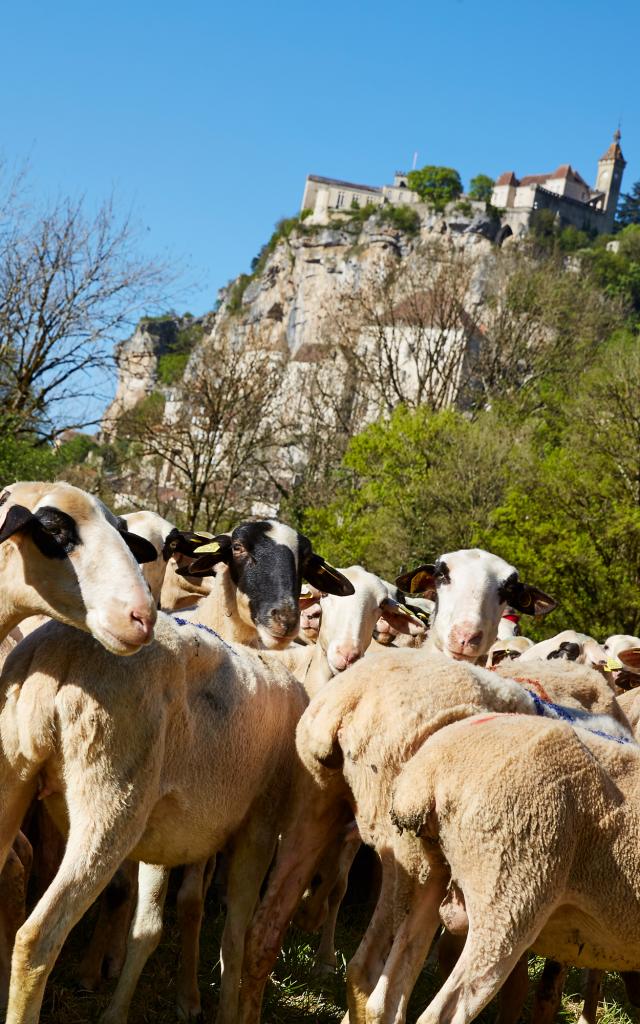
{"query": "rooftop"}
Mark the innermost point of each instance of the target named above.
(345, 184)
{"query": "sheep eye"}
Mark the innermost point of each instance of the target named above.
(4, 497)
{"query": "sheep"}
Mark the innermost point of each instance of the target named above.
(508, 626)
(59, 540)
(126, 756)
(256, 583)
(346, 629)
(352, 748)
(55, 541)
(510, 649)
(471, 589)
(622, 662)
(345, 633)
(156, 530)
(570, 645)
(386, 635)
(549, 801)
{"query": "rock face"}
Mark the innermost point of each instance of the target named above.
(286, 307)
(137, 361)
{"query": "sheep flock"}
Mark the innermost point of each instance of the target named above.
(232, 720)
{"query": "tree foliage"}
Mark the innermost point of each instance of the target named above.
(435, 185)
(629, 207)
(481, 188)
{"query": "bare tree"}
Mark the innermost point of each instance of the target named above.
(69, 284)
(207, 447)
(407, 331)
(541, 322)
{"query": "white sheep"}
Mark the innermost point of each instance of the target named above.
(55, 542)
(147, 782)
(471, 589)
(542, 847)
(353, 739)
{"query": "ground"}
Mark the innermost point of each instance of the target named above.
(294, 996)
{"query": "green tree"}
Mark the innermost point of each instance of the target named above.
(436, 185)
(574, 524)
(629, 207)
(481, 187)
(413, 486)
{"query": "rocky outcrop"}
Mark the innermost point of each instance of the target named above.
(286, 305)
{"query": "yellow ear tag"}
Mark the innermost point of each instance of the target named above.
(613, 664)
(305, 592)
(207, 549)
(404, 611)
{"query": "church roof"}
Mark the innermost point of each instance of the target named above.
(614, 152)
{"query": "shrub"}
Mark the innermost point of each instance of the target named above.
(171, 364)
(404, 218)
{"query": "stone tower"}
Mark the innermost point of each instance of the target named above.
(611, 166)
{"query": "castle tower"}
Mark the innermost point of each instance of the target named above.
(611, 166)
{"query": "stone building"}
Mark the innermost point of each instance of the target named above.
(331, 195)
(565, 193)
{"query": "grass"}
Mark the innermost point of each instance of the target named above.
(294, 996)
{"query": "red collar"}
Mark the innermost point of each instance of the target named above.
(512, 617)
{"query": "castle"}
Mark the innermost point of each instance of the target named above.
(564, 192)
(323, 195)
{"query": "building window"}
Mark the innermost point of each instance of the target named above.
(340, 200)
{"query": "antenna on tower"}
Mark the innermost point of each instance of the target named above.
(415, 160)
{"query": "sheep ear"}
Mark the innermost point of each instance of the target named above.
(205, 563)
(399, 616)
(325, 577)
(631, 658)
(529, 600)
(187, 543)
(18, 518)
(141, 548)
(418, 581)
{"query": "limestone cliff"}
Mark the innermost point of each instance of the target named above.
(284, 304)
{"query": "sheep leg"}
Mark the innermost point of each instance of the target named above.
(14, 879)
(144, 936)
(249, 861)
(299, 851)
(108, 945)
(366, 966)
(548, 996)
(632, 985)
(513, 993)
(191, 894)
(325, 959)
(389, 999)
(474, 981)
(90, 858)
(592, 993)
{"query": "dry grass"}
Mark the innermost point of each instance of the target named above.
(295, 995)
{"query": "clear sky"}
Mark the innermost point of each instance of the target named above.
(205, 117)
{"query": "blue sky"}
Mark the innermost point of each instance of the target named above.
(205, 118)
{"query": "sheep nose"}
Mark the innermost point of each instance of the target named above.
(466, 636)
(284, 620)
(142, 622)
(346, 656)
